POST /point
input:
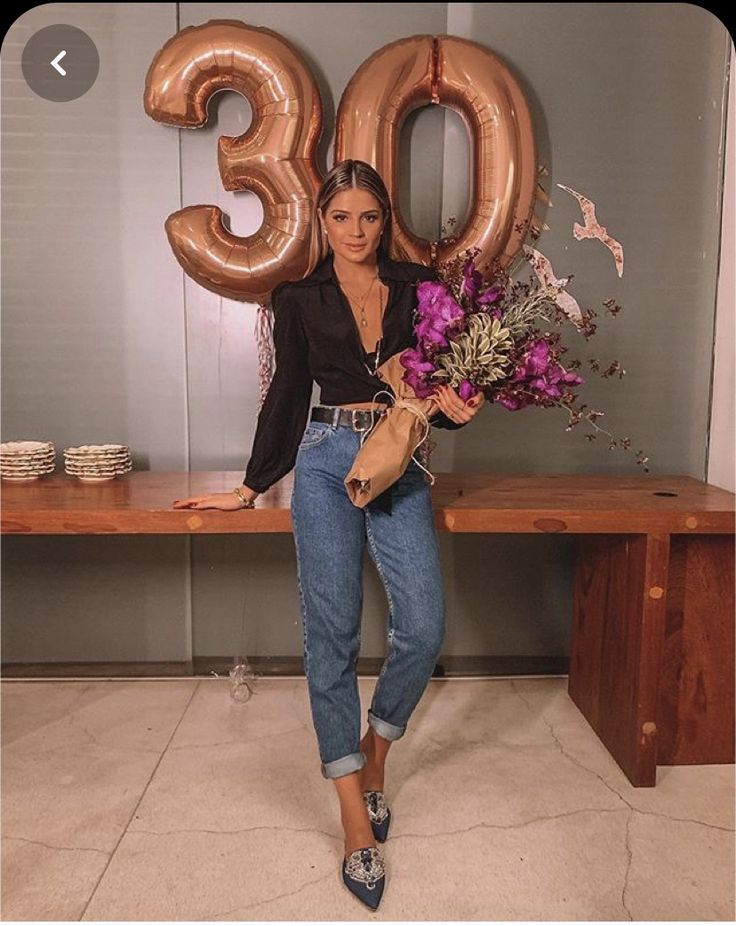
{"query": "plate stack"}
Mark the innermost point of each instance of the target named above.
(97, 462)
(25, 460)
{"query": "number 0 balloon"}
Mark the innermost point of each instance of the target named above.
(465, 76)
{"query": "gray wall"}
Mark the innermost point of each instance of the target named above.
(93, 335)
(722, 437)
(104, 339)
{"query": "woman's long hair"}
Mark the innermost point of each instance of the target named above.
(349, 175)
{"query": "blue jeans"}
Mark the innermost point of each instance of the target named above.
(330, 534)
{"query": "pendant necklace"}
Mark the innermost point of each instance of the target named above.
(361, 301)
(364, 322)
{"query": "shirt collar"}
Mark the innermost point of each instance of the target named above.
(387, 270)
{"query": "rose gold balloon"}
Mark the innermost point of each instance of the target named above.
(470, 79)
(274, 158)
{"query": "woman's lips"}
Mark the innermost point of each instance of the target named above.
(356, 247)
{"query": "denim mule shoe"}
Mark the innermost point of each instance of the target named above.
(364, 874)
(378, 814)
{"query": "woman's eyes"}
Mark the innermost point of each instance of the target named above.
(369, 218)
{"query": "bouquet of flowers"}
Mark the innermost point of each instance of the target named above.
(479, 333)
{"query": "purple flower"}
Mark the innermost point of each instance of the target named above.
(418, 370)
(437, 307)
(512, 402)
(467, 390)
(544, 387)
(541, 376)
(472, 284)
(492, 294)
(472, 280)
(417, 383)
(431, 331)
(535, 360)
(413, 359)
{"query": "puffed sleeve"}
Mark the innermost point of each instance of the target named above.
(283, 415)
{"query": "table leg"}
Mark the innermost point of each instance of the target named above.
(696, 706)
(617, 644)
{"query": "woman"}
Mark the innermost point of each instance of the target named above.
(350, 313)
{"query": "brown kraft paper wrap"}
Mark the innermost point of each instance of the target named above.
(388, 447)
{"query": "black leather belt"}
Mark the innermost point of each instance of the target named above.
(359, 419)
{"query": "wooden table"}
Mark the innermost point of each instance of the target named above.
(652, 653)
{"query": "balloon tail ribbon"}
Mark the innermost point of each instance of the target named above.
(264, 340)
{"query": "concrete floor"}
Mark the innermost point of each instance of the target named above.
(167, 800)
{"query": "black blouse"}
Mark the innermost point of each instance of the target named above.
(316, 337)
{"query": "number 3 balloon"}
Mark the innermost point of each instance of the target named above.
(274, 158)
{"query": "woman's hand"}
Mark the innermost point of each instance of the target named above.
(225, 501)
(449, 402)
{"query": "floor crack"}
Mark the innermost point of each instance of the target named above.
(245, 829)
(610, 787)
(711, 826)
(37, 842)
(172, 735)
(629, 862)
(237, 910)
(510, 826)
(567, 755)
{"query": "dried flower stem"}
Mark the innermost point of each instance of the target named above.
(576, 416)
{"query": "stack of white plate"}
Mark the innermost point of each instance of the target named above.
(24, 460)
(97, 462)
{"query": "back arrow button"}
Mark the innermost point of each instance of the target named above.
(55, 63)
(60, 51)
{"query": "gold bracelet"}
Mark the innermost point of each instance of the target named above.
(247, 503)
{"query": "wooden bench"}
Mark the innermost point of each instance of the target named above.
(652, 653)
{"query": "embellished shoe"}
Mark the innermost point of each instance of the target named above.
(364, 874)
(378, 814)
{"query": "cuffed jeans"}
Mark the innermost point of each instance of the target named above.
(330, 534)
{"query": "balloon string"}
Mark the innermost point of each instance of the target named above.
(405, 403)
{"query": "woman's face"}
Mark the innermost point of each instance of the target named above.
(353, 221)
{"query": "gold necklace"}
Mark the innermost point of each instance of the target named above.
(361, 302)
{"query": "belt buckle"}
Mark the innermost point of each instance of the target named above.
(352, 420)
